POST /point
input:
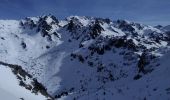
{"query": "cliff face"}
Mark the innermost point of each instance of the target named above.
(89, 58)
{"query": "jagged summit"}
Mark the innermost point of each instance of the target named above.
(91, 58)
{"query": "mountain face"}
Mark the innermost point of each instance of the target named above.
(166, 28)
(86, 58)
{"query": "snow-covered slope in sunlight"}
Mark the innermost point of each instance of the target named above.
(86, 58)
(5, 95)
(10, 88)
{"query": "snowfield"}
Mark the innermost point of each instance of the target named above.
(10, 89)
(85, 58)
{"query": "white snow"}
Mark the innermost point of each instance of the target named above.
(111, 31)
(10, 89)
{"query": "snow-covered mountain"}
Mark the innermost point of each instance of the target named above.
(166, 28)
(86, 58)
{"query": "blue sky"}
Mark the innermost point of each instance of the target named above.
(145, 11)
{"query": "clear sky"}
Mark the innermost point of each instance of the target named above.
(145, 11)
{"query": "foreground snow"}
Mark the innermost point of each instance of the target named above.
(10, 89)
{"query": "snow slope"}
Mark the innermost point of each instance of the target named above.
(86, 58)
(10, 89)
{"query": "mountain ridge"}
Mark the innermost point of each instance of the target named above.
(86, 57)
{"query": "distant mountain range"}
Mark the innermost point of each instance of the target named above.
(83, 58)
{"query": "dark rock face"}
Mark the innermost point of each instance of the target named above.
(80, 57)
(102, 20)
(125, 26)
(168, 36)
(106, 44)
(70, 26)
(28, 23)
(92, 30)
(158, 37)
(41, 25)
(64, 93)
(96, 29)
(55, 20)
(73, 26)
(45, 27)
(139, 26)
(23, 45)
(142, 62)
(137, 77)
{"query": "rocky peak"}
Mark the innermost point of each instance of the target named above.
(125, 26)
(96, 29)
(46, 25)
